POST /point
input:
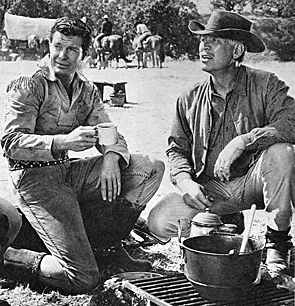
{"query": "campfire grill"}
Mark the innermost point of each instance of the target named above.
(176, 290)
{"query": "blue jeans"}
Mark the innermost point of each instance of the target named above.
(14, 222)
(63, 205)
(269, 183)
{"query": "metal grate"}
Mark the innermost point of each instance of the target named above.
(176, 290)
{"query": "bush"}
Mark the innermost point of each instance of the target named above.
(279, 36)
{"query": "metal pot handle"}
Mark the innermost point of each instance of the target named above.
(182, 249)
(216, 232)
(179, 234)
(185, 228)
(227, 228)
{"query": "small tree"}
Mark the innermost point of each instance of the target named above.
(276, 8)
(282, 40)
(229, 5)
(30, 8)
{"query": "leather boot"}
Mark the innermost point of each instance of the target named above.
(117, 256)
(21, 264)
(236, 219)
(278, 246)
(111, 223)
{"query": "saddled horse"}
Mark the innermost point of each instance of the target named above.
(153, 46)
(110, 47)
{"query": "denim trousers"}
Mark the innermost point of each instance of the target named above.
(269, 183)
(65, 208)
(11, 222)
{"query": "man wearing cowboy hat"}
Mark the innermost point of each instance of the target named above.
(231, 143)
(106, 28)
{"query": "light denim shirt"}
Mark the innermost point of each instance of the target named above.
(39, 108)
(260, 109)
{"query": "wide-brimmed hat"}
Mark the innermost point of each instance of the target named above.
(225, 24)
(105, 17)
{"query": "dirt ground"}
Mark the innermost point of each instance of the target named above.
(145, 120)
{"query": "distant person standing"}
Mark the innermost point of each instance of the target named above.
(106, 28)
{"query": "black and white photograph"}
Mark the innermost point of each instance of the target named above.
(147, 153)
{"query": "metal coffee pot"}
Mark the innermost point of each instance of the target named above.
(206, 222)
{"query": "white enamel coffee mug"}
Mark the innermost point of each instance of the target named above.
(106, 133)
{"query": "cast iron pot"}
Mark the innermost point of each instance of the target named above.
(217, 270)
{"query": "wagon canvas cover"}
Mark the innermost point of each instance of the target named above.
(20, 28)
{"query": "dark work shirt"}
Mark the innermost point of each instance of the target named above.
(106, 27)
(223, 131)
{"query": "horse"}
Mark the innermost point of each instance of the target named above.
(110, 47)
(153, 46)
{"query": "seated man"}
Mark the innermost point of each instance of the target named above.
(81, 209)
(232, 140)
(142, 32)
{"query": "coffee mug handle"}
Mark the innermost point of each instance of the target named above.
(96, 135)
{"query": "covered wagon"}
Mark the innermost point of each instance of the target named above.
(21, 30)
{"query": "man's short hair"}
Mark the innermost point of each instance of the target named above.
(73, 27)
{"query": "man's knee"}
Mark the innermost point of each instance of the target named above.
(280, 156)
(85, 283)
(163, 217)
(144, 166)
(159, 167)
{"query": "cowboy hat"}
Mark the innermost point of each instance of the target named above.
(105, 17)
(225, 24)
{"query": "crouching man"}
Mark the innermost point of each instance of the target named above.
(232, 140)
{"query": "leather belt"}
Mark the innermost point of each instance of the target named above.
(23, 164)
